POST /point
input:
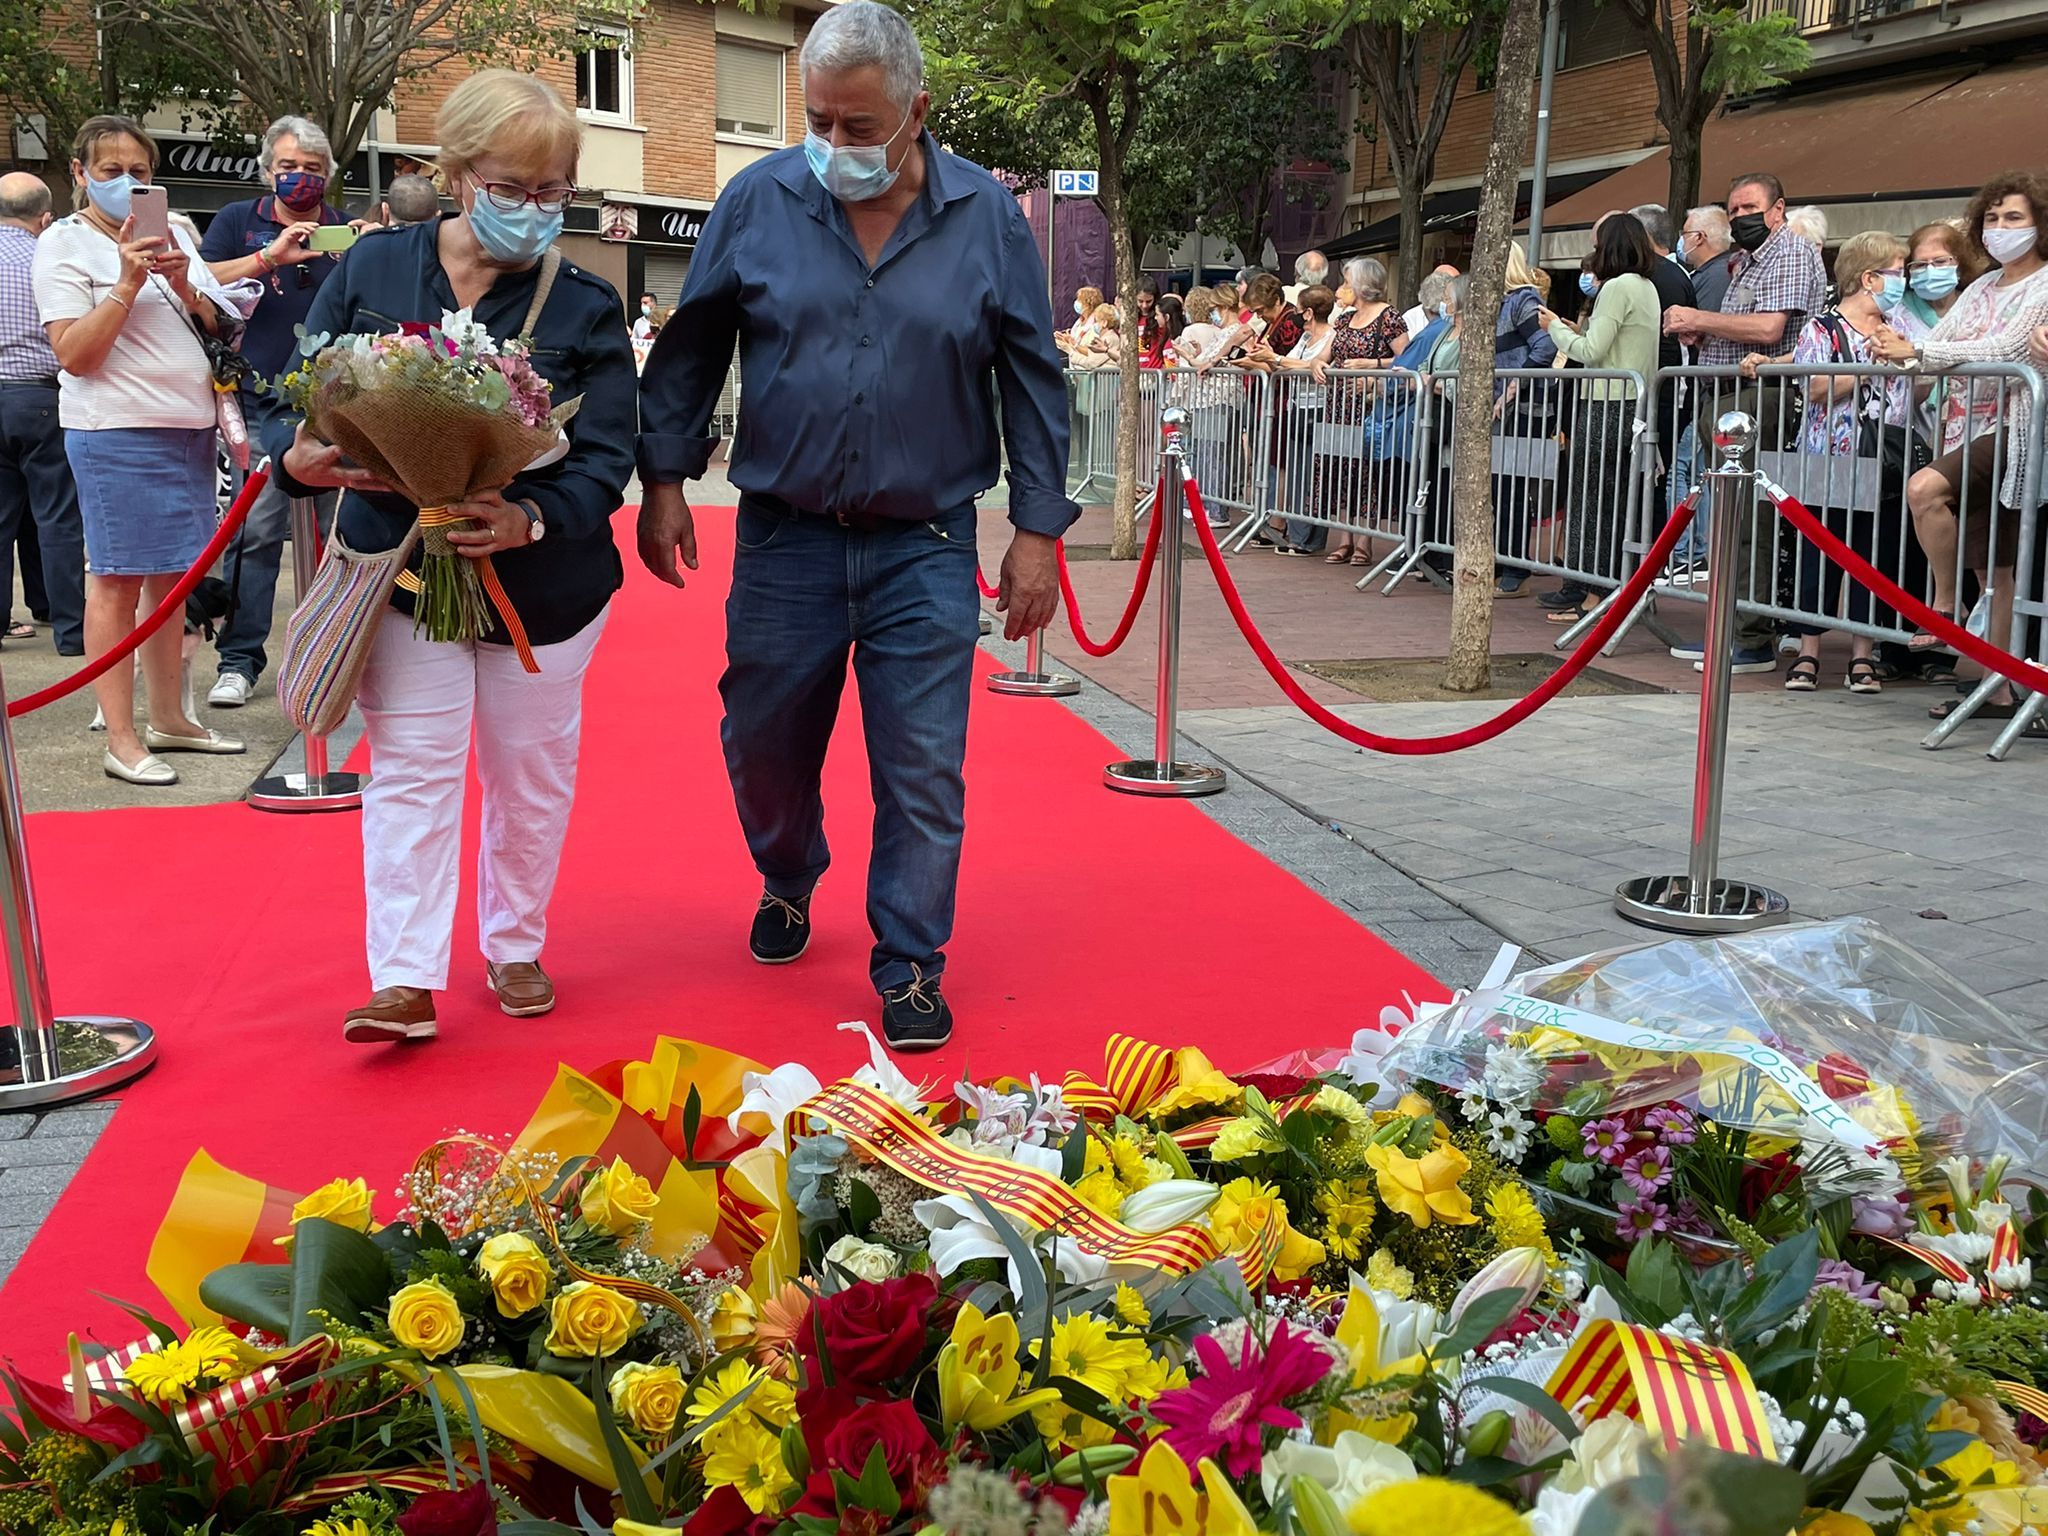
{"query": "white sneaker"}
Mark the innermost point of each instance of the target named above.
(1788, 645)
(230, 691)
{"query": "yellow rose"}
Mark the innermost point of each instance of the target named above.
(424, 1317)
(1245, 1210)
(587, 1320)
(734, 1320)
(618, 1200)
(1424, 1189)
(1835, 1523)
(518, 1272)
(648, 1396)
(345, 1202)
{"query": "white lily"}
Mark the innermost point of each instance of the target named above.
(960, 1232)
(1353, 1467)
(881, 1073)
(1405, 1327)
(775, 1094)
(1557, 1512)
(1169, 1203)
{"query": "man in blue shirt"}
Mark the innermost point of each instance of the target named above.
(884, 295)
(265, 238)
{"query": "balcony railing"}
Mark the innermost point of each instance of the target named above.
(1820, 16)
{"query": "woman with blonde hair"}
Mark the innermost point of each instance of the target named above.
(509, 147)
(1526, 410)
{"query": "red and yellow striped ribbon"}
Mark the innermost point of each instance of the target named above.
(899, 1140)
(1676, 1389)
(1203, 1132)
(442, 517)
(1951, 1270)
(1134, 1074)
(2025, 1396)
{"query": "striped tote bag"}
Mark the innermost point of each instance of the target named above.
(327, 639)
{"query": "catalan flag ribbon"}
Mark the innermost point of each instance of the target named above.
(899, 1140)
(1134, 1074)
(1676, 1389)
(240, 1423)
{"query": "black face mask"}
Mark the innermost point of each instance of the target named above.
(1748, 230)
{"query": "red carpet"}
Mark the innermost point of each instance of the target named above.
(239, 936)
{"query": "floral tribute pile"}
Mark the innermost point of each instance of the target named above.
(1566, 1287)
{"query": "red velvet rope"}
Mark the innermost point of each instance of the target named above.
(981, 581)
(1471, 736)
(1123, 628)
(174, 602)
(2029, 676)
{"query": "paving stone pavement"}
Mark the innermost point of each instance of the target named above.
(1827, 802)
(38, 1155)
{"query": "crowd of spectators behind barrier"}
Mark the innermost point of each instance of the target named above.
(1738, 287)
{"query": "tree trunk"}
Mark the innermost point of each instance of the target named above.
(1408, 264)
(1684, 193)
(1123, 535)
(1468, 667)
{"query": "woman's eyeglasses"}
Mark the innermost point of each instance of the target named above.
(510, 197)
(1926, 266)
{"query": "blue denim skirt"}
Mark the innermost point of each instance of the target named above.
(146, 496)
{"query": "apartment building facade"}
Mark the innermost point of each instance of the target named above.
(673, 108)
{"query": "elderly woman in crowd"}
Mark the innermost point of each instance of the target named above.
(509, 147)
(1870, 275)
(1370, 336)
(1959, 507)
(1621, 333)
(126, 315)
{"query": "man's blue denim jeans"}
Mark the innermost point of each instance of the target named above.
(903, 603)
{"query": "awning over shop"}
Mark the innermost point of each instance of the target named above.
(1449, 209)
(1928, 138)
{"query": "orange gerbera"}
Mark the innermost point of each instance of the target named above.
(782, 1320)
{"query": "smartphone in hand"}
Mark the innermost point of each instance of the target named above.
(151, 208)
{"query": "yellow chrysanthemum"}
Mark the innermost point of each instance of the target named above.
(335, 1528)
(771, 1402)
(1515, 1220)
(1085, 1349)
(1348, 1208)
(1433, 1504)
(1153, 1378)
(1385, 1273)
(748, 1459)
(167, 1375)
(1131, 1308)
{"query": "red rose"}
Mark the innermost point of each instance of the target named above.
(462, 1512)
(908, 1450)
(874, 1331)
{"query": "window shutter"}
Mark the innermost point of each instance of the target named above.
(750, 90)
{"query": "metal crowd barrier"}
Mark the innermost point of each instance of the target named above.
(1588, 464)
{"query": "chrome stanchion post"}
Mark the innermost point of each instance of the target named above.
(1161, 775)
(45, 1059)
(1700, 900)
(314, 789)
(1034, 681)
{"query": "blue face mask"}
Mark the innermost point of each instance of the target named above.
(1893, 291)
(1934, 283)
(853, 173)
(111, 196)
(515, 238)
(1588, 284)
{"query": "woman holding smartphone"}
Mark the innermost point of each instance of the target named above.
(123, 293)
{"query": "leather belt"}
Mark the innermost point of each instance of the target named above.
(49, 383)
(858, 522)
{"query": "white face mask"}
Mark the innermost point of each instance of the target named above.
(1080, 308)
(1215, 317)
(2008, 245)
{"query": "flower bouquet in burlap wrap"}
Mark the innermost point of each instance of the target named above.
(440, 413)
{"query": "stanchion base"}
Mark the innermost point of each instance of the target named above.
(1733, 906)
(1035, 685)
(290, 792)
(95, 1054)
(1145, 776)
(988, 625)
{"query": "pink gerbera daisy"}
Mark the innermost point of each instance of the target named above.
(1223, 1413)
